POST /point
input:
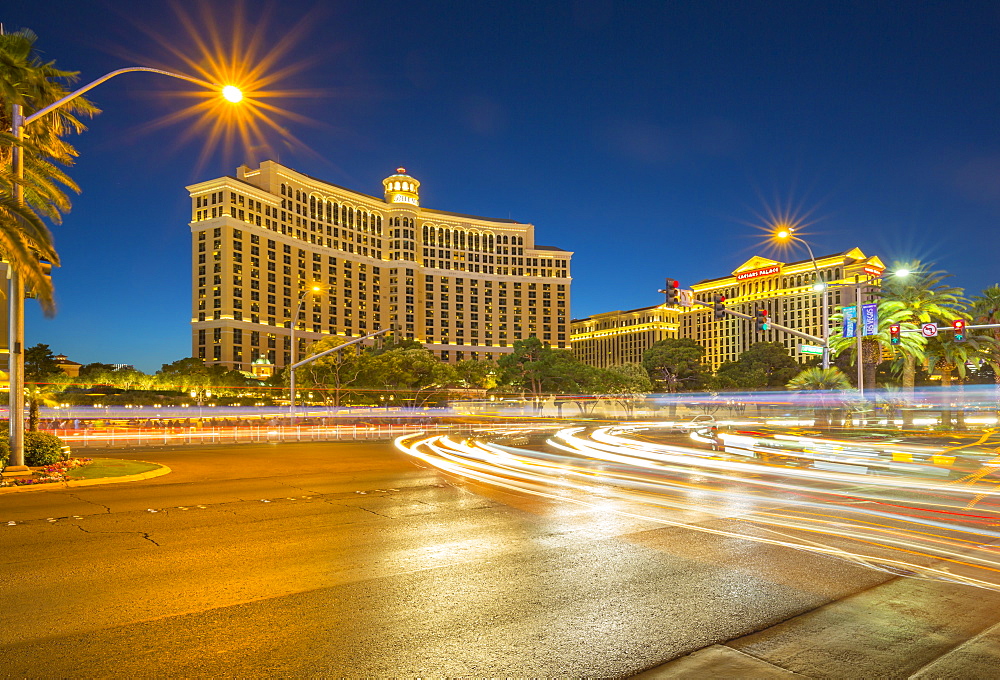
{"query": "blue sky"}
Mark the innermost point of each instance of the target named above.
(648, 137)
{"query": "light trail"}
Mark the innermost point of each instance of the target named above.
(778, 488)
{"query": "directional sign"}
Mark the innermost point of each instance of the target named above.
(929, 330)
(810, 349)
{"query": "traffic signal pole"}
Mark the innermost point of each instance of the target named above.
(786, 329)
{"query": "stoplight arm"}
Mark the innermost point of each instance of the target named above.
(951, 328)
(785, 329)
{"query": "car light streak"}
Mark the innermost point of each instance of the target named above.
(865, 512)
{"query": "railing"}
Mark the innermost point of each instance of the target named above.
(182, 436)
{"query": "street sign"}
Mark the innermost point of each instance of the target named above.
(869, 319)
(810, 349)
(929, 330)
(850, 321)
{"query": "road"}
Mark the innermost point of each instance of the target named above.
(348, 559)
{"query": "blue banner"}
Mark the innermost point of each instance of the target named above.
(869, 319)
(850, 321)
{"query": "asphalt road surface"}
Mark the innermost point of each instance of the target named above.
(347, 559)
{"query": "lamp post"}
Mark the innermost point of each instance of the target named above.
(15, 294)
(820, 286)
(858, 323)
(291, 365)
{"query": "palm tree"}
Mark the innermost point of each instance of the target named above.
(824, 380)
(37, 394)
(924, 298)
(817, 378)
(950, 358)
(27, 81)
(890, 313)
(986, 310)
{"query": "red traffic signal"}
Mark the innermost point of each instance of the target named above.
(760, 316)
(958, 325)
(719, 306)
(672, 292)
(894, 338)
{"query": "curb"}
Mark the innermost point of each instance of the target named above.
(53, 486)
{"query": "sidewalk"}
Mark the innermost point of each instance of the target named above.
(902, 628)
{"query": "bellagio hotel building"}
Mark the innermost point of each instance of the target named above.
(466, 287)
(784, 289)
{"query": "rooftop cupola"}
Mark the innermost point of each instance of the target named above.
(401, 189)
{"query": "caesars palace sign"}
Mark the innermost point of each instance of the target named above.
(755, 273)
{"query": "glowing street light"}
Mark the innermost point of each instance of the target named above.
(232, 93)
(15, 296)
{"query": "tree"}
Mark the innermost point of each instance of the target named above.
(39, 363)
(823, 381)
(413, 375)
(36, 395)
(816, 378)
(762, 365)
(924, 298)
(986, 310)
(675, 363)
(185, 375)
(626, 384)
(531, 367)
(95, 368)
(951, 358)
(477, 374)
(33, 84)
(335, 372)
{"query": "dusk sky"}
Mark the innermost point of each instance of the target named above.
(647, 137)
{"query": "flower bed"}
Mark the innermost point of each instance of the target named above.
(57, 472)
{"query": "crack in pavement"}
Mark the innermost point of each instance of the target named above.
(377, 514)
(84, 500)
(142, 534)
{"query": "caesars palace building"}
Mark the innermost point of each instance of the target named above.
(785, 290)
(466, 287)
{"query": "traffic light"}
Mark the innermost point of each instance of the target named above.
(760, 316)
(672, 291)
(894, 338)
(719, 305)
(959, 326)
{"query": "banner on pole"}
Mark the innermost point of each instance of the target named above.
(850, 315)
(869, 319)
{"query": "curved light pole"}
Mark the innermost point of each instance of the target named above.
(788, 233)
(15, 294)
(291, 364)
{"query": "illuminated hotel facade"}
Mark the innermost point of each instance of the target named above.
(466, 287)
(785, 290)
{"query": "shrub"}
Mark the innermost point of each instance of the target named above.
(42, 448)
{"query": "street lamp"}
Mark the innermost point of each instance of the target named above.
(787, 233)
(15, 293)
(858, 324)
(291, 365)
